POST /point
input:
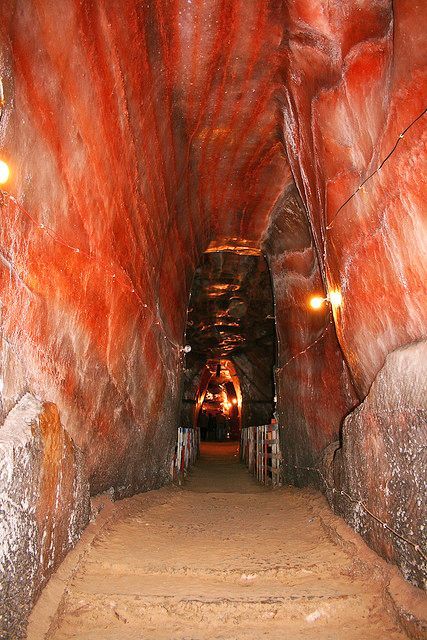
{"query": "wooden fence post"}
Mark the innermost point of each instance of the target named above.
(260, 451)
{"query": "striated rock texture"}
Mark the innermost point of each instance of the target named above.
(383, 460)
(354, 79)
(314, 387)
(96, 264)
(44, 506)
(137, 132)
(353, 102)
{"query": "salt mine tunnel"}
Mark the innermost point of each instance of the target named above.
(213, 227)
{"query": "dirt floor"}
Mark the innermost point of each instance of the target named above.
(220, 557)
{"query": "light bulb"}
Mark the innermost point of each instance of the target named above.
(4, 172)
(316, 302)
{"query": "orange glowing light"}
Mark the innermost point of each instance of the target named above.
(335, 298)
(234, 401)
(4, 172)
(316, 302)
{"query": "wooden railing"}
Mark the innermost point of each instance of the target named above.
(186, 452)
(260, 451)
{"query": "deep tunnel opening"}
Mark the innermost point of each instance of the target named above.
(229, 371)
(219, 403)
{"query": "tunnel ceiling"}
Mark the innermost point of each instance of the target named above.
(231, 306)
(224, 59)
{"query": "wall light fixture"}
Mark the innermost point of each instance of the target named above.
(4, 172)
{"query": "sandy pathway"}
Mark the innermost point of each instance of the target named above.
(221, 557)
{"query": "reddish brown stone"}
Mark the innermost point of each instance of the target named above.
(313, 383)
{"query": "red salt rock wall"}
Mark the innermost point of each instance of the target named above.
(353, 101)
(314, 389)
(354, 78)
(135, 132)
(96, 261)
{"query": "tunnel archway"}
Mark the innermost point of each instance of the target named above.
(218, 411)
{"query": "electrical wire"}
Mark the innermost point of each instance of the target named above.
(127, 283)
(363, 506)
(322, 335)
(362, 184)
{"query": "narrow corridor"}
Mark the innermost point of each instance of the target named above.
(219, 557)
(213, 223)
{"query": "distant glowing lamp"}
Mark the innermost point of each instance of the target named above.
(335, 298)
(4, 172)
(316, 302)
(234, 401)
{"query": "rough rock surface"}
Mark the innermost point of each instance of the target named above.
(383, 462)
(314, 386)
(44, 506)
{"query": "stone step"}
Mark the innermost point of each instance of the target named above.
(270, 631)
(215, 585)
(189, 618)
(143, 609)
(283, 573)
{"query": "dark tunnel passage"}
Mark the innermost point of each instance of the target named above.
(232, 335)
(213, 225)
